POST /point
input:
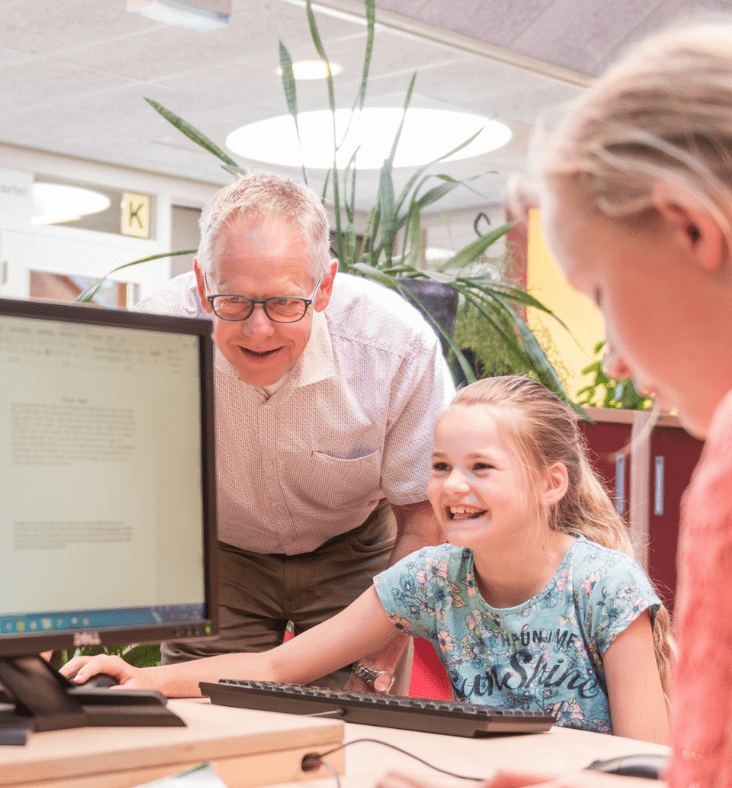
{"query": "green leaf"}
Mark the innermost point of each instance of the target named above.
(290, 88)
(288, 81)
(470, 253)
(90, 292)
(370, 27)
(413, 232)
(192, 133)
(235, 171)
(315, 35)
(376, 274)
(386, 203)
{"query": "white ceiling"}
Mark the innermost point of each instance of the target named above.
(73, 73)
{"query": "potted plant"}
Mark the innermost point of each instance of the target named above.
(386, 248)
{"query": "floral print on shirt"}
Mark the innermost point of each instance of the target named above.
(544, 654)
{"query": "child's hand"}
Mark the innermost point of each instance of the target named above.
(583, 779)
(79, 669)
(505, 779)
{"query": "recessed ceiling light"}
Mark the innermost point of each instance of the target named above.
(428, 134)
(199, 15)
(54, 203)
(312, 69)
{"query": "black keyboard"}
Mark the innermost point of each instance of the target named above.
(386, 711)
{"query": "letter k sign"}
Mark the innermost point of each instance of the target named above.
(136, 215)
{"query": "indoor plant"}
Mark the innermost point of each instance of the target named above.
(386, 249)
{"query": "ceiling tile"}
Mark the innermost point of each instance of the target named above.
(664, 14)
(42, 26)
(577, 35)
(42, 80)
(496, 22)
(168, 51)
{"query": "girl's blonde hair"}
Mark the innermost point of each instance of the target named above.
(543, 431)
(662, 114)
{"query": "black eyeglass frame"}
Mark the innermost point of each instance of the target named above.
(263, 301)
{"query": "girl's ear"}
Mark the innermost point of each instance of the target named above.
(693, 226)
(555, 483)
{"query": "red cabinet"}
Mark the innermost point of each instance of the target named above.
(647, 483)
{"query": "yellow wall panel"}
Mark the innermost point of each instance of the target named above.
(584, 321)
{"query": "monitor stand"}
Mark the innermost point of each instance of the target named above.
(39, 698)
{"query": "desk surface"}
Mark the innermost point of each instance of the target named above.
(246, 749)
(556, 751)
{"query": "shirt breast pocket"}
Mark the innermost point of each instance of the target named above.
(337, 483)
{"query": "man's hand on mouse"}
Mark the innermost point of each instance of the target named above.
(80, 669)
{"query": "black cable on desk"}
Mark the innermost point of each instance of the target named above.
(314, 760)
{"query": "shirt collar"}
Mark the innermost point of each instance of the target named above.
(317, 362)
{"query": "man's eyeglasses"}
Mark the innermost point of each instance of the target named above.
(279, 309)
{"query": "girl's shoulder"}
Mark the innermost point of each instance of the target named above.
(599, 573)
(444, 559)
(446, 552)
(585, 554)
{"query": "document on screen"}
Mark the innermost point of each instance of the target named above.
(100, 465)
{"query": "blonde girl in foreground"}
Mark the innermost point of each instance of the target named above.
(635, 192)
(534, 603)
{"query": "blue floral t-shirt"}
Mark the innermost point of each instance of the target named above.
(543, 654)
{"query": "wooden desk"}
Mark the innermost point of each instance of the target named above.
(247, 749)
(556, 751)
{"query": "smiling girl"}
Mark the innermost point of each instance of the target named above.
(535, 602)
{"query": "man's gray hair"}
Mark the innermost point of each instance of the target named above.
(268, 197)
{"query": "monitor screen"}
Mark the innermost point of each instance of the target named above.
(106, 477)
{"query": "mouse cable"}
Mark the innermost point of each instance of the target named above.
(314, 760)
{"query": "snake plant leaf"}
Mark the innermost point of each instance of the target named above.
(350, 203)
(435, 276)
(290, 88)
(496, 316)
(412, 238)
(236, 171)
(454, 347)
(376, 274)
(468, 254)
(370, 27)
(91, 291)
(434, 194)
(464, 182)
(318, 41)
(538, 360)
(420, 172)
(288, 81)
(191, 132)
(514, 293)
(386, 185)
(386, 203)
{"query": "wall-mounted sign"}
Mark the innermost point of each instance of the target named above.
(16, 197)
(135, 215)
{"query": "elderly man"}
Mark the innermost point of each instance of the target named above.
(327, 393)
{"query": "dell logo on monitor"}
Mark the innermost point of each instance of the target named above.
(88, 638)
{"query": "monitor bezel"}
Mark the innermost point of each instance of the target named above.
(18, 644)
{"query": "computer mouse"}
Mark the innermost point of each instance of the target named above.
(100, 681)
(649, 766)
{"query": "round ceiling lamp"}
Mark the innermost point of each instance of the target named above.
(55, 202)
(428, 134)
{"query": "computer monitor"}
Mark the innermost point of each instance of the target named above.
(107, 522)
